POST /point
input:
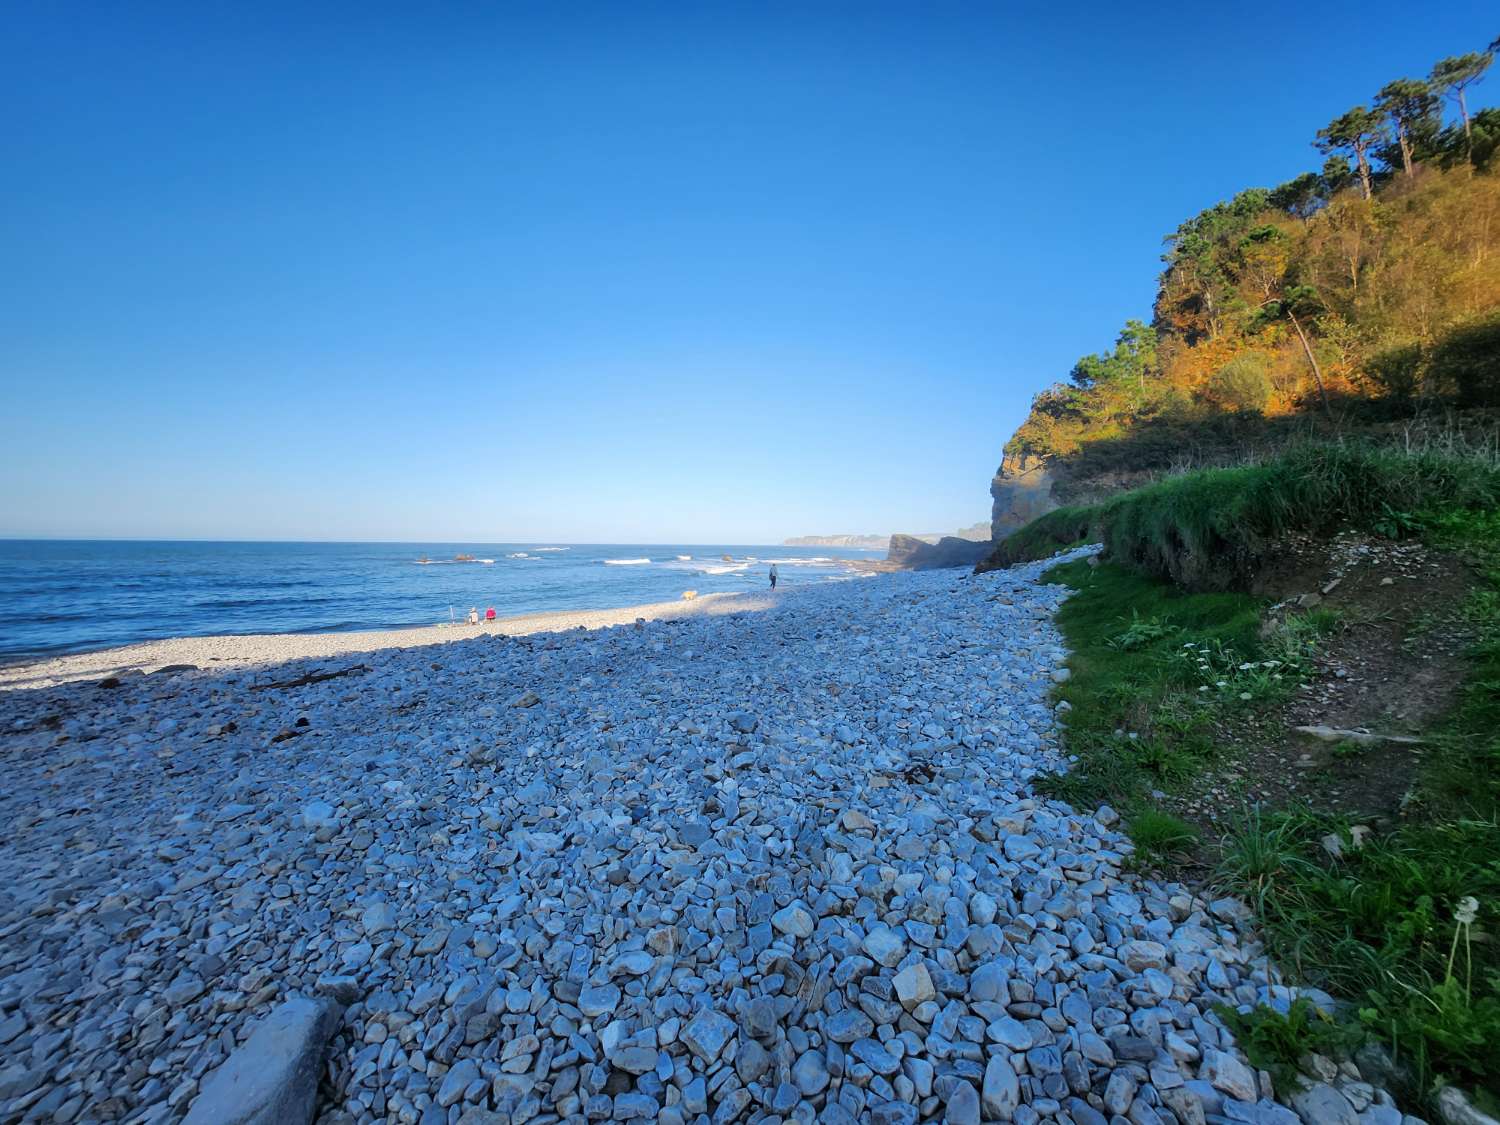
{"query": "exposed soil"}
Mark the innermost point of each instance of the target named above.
(1390, 667)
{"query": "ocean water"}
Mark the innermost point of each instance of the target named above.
(76, 595)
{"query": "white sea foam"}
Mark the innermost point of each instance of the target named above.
(626, 562)
(552, 548)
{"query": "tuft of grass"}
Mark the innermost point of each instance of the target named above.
(1159, 835)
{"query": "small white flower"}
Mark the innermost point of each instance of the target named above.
(1468, 909)
(1244, 695)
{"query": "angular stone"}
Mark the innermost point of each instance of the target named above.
(1001, 1093)
(273, 1078)
(706, 1033)
(914, 986)
(1224, 1072)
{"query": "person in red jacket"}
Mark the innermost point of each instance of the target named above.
(489, 615)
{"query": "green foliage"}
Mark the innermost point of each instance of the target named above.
(1207, 530)
(1453, 76)
(1394, 524)
(1140, 632)
(1397, 371)
(1357, 131)
(1133, 358)
(1415, 114)
(1303, 196)
(1462, 368)
(1275, 1041)
(1351, 299)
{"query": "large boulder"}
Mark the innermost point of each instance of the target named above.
(273, 1078)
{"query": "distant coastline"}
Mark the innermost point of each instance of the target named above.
(977, 532)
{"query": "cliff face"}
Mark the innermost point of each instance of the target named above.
(1022, 490)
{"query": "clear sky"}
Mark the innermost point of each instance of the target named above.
(627, 272)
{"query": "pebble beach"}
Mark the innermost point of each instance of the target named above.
(750, 858)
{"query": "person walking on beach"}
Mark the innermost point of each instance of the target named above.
(773, 576)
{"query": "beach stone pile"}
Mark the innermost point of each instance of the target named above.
(771, 866)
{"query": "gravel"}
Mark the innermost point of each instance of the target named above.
(773, 865)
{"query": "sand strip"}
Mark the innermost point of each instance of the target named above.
(274, 648)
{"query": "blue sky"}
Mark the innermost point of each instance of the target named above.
(621, 272)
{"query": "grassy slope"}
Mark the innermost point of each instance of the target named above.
(1382, 926)
(1209, 529)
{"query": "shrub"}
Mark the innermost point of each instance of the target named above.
(1396, 372)
(1244, 383)
(1466, 364)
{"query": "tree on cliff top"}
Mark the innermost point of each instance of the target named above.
(1133, 358)
(1357, 131)
(1413, 110)
(1453, 76)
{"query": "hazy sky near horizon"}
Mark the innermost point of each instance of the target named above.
(613, 272)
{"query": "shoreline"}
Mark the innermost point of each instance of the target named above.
(241, 650)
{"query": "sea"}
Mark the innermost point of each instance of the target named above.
(60, 596)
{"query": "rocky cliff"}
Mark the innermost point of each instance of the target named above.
(1021, 490)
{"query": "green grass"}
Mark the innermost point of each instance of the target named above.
(1152, 669)
(1159, 836)
(1209, 529)
(1407, 926)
